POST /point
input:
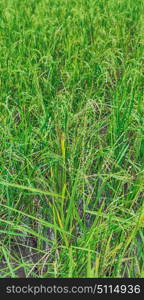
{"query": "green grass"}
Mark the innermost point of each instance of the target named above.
(71, 138)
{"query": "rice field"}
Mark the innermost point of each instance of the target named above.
(72, 138)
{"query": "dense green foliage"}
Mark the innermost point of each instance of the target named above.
(72, 138)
